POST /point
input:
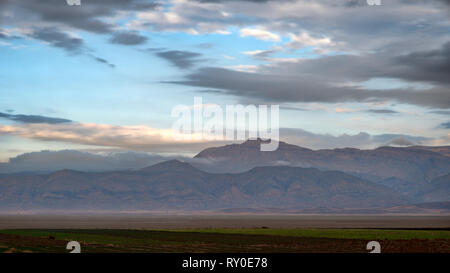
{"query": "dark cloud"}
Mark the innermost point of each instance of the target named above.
(88, 17)
(354, 25)
(445, 2)
(56, 14)
(359, 27)
(440, 112)
(33, 119)
(445, 125)
(276, 87)
(103, 61)
(62, 40)
(128, 38)
(59, 39)
(429, 66)
(179, 58)
(319, 80)
(433, 65)
(5, 36)
(404, 44)
(381, 111)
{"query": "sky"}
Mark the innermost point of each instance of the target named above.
(102, 78)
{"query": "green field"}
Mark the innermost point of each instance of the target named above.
(225, 240)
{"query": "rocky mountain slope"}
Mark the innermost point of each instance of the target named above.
(177, 185)
(406, 169)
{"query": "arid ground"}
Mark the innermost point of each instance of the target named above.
(224, 233)
(189, 221)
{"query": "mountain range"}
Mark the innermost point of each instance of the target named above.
(241, 176)
(405, 169)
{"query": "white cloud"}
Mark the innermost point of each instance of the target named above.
(136, 137)
(253, 52)
(260, 34)
(304, 39)
(192, 17)
(244, 68)
(160, 17)
(345, 110)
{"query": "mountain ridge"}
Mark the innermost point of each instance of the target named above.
(185, 188)
(410, 167)
(292, 177)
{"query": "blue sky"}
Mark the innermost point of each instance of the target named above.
(115, 70)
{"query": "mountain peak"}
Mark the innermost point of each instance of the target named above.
(251, 145)
(256, 142)
(170, 165)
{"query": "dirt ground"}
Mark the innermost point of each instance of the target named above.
(188, 242)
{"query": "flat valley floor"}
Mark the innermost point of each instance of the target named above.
(243, 233)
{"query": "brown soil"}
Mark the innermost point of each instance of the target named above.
(201, 243)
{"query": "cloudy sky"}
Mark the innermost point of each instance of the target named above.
(104, 76)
